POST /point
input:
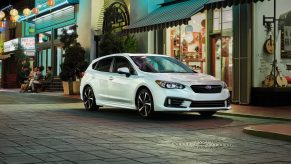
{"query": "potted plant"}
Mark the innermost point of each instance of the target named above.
(74, 62)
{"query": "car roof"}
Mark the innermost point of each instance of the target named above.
(128, 55)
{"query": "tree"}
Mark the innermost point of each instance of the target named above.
(74, 55)
(115, 42)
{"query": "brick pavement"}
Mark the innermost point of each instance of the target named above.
(65, 133)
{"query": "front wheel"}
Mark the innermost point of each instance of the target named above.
(145, 103)
(207, 113)
(89, 99)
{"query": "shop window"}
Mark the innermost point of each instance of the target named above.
(59, 31)
(216, 20)
(44, 61)
(59, 59)
(44, 37)
(227, 18)
(188, 42)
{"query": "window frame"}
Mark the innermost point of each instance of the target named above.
(114, 64)
(100, 61)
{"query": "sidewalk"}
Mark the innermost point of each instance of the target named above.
(273, 131)
(280, 112)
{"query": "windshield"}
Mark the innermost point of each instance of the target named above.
(160, 64)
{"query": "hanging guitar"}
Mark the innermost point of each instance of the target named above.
(275, 78)
(281, 80)
(269, 46)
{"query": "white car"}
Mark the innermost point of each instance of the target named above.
(149, 83)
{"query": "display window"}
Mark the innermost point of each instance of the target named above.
(44, 37)
(188, 42)
(59, 31)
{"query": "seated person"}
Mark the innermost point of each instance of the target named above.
(35, 80)
(48, 79)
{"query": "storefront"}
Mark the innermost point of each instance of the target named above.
(48, 26)
(16, 51)
(207, 35)
(2, 39)
(189, 43)
(269, 90)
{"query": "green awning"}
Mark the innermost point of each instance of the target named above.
(167, 16)
(213, 4)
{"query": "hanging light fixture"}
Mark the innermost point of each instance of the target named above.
(26, 12)
(16, 17)
(51, 3)
(35, 11)
(13, 12)
(2, 15)
(12, 19)
(2, 24)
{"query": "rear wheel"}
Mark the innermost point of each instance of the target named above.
(145, 103)
(207, 113)
(89, 99)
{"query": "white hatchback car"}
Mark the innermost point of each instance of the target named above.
(149, 83)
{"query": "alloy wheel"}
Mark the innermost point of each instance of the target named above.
(145, 103)
(89, 99)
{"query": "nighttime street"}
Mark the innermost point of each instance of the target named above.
(50, 128)
(145, 81)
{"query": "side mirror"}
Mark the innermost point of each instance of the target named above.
(123, 70)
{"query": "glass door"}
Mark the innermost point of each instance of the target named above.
(216, 57)
(58, 60)
(222, 58)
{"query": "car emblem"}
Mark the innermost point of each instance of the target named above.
(208, 87)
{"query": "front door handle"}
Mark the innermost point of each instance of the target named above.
(110, 78)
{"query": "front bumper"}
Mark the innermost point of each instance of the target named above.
(187, 100)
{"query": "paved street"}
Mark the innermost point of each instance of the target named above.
(52, 129)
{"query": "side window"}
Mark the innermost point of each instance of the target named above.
(104, 65)
(122, 62)
(94, 65)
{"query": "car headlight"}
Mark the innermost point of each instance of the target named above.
(170, 85)
(224, 85)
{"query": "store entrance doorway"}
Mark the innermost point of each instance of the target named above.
(222, 58)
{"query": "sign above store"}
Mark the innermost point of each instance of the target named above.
(27, 43)
(11, 45)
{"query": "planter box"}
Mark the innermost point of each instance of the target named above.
(76, 87)
(68, 88)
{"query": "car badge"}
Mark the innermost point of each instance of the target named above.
(208, 87)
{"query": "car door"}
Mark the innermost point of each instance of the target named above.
(100, 78)
(122, 87)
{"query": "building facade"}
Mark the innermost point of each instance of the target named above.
(14, 46)
(207, 40)
(263, 58)
(47, 27)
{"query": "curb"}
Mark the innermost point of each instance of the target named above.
(264, 134)
(253, 116)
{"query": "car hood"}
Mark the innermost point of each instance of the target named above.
(187, 78)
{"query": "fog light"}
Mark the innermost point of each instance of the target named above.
(186, 103)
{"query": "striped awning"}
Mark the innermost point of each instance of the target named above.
(167, 16)
(213, 4)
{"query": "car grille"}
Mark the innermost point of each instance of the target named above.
(208, 104)
(206, 88)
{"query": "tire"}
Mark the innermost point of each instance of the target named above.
(89, 99)
(207, 113)
(145, 103)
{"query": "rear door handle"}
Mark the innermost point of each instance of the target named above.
(110, 78)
